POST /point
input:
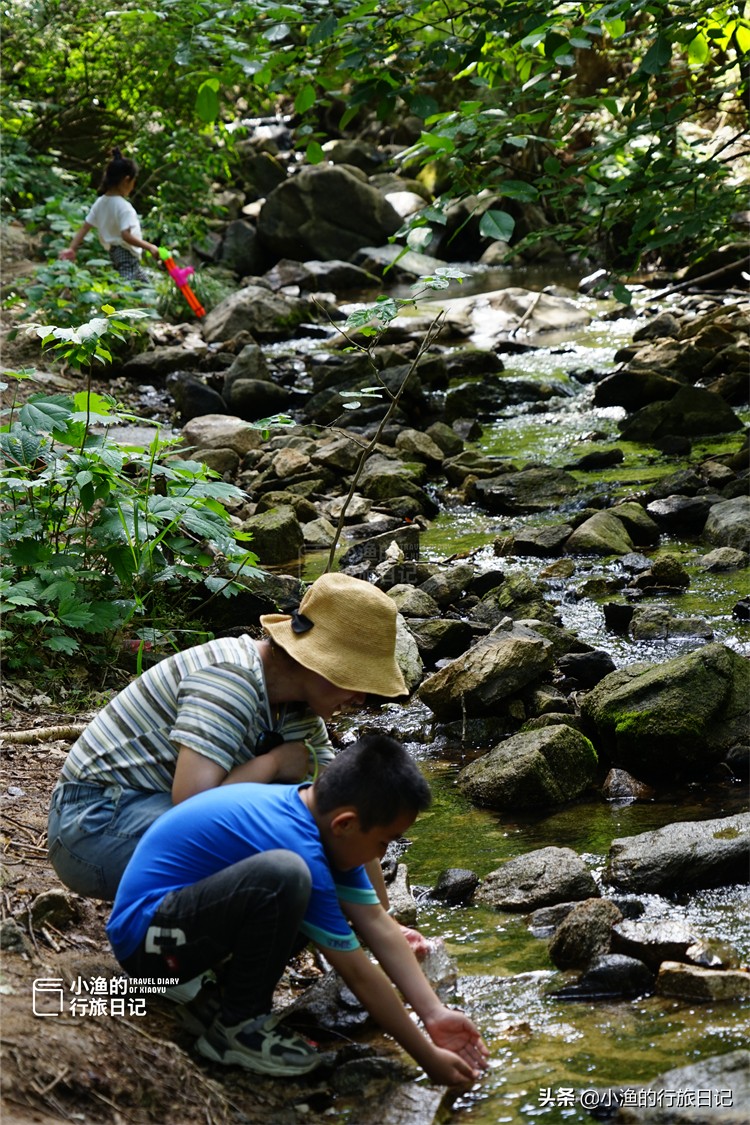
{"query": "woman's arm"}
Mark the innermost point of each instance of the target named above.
(195, 772)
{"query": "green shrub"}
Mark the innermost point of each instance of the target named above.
(102, 542)
(210, 288)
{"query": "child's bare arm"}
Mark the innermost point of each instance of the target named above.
(373, 989)
(131, 240)
(78, 237)
(454, 1053)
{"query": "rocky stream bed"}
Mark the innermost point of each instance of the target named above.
(559, 509)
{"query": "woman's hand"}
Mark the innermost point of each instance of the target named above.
(68, 255)
(291, 762)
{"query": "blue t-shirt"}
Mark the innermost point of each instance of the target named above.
(217, 828)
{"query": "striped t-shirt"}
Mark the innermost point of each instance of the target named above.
(211, 698)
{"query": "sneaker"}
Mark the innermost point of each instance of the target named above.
(198, 1014)
(259, 1045)
(186, 991)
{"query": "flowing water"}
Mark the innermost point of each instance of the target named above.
(550, 1059)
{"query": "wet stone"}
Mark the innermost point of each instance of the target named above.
(612, 974)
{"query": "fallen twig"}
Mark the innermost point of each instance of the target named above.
(46, 734)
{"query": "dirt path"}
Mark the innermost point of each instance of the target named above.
(88, 1063)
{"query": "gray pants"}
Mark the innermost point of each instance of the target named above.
(249, 912)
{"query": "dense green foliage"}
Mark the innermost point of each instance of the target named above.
(103, 542)
(589, 123)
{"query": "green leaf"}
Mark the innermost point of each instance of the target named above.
(60, 643)
(422, 105)
(305, 99)
(742, 38)
(622, 294)
(314, 153)
(207, 100)
(323, 30)
(658, 56)
(434, 140)
(698, 51)
(498, 225)
(277, 33)
(46, 416)
(71, 613)
(419, 238)
(518, 189)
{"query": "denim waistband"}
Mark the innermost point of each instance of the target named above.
(70, 792)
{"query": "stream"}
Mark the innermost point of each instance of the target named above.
(551, 1058)
(545, 1052)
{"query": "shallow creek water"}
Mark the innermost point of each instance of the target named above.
(544, 1052)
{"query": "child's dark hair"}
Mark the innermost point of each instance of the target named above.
(377, 777)
(116, 171)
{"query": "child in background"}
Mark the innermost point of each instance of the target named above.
(116, 221)
(239, 877)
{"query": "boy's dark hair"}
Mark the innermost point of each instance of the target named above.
(118, 168)
(377, 777)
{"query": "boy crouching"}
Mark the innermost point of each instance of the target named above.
(239, 872)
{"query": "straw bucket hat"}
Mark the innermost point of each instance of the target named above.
(344, 629)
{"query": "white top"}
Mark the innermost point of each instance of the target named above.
(111, 215)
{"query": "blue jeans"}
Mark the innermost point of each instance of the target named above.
(93, 831)
(249, 913)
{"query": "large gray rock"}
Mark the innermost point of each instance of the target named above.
(311, 276)
(608, 976)
(256, 399)
(277, 536)
(728, 524)
(218, 431)
(691, 413)
(325, 213)
(240, 250)
(726, 1077)
(407, 655)
(680, 716)
(634, 389)
(531, 490)
(601, 534)
(539, 878)
(692, 982)
(159, 362)
(585, 933)
(249, 364)
(653, 940)
(254, 309)
(492, 315)
(533, 769)
(497, 667)
(440, 639)
(682, 856)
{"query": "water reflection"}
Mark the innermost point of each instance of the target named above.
(541, 1045)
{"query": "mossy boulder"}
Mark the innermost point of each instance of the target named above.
(496, 668)
(277, 535)
(537, 768)
(673, 718)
